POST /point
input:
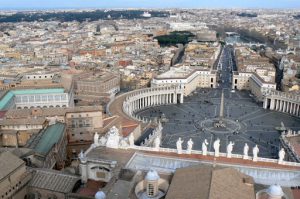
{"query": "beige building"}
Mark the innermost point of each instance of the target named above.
(83, 122)
(253, 82)
(187, 78)
(13, 176)
(95, 85)
(254, 73)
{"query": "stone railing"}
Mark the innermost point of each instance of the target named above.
(150, 97)
(290, 149)
(209, 153)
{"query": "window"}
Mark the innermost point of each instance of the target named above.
(150, 190)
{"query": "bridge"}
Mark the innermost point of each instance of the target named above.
(246, 44)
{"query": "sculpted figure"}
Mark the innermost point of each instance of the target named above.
(229, 149)
(131, 140)
(190, 144)
(157, 143)
(281, 155)
(246, 149)
(217, 147)
(255, 153)
(96, 139)
(204, 147)
(179, 145)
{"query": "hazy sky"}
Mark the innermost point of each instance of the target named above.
(149, 3)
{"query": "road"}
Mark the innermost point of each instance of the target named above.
(225, 67)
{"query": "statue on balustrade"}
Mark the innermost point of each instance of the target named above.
(179, 145)
(157, 143)
(229, 149)
(131, 140)
(255, 153)
(217, 147)
(204, 147)
(190, 144)
(96, 139)
(281, 155)
(246, 149)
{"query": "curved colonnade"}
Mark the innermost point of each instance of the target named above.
(283, 102)
(149, 97)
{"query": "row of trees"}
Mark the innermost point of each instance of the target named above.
(78, 16)
(177, 37)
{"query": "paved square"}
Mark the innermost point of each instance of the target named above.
(256, 125)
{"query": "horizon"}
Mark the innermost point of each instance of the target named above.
(146, 4)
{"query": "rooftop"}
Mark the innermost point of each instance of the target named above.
(9, 163)
(4, 101)
(216, 182)
(49, 137)
(53, 180)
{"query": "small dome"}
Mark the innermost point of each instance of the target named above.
(152, 176)
(100, 195)
(275, 191)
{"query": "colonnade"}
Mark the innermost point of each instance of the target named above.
(149, 97)
(283, 102)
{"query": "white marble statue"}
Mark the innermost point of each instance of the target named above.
(190, 144)
(113, 138)
(96, 139)
(131, 140)
(179, 145)
(281, 155)
(229, 149)
(157, 143)
(217, 147)
(255, 153)
(82, 157)
(246, 149)
(204, 147)
(159, 127)
(102, 141)
(124, 143)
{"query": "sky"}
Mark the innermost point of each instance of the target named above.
(39, 4)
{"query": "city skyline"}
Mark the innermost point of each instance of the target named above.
(55, 4)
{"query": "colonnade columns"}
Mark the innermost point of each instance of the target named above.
(175, 98)
(266, 103)
(181, 98)
(277, 104)
(284, 106)
(291, 108)
(272, 104)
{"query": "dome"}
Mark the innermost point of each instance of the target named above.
(100, 195)
(152, 176)
(275, 191)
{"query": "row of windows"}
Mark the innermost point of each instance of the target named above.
(40, 77)
(39, 98)
(10, 190)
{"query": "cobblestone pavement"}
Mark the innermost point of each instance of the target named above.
(257, 125)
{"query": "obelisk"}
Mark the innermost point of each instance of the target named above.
(222, 106)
